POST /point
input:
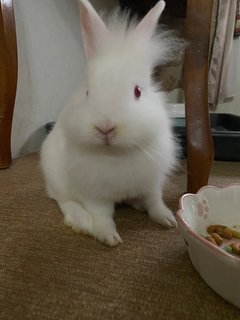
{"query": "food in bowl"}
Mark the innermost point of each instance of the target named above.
(220, 236)
(218, 265)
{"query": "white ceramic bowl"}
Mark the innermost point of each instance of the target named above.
(211, 205)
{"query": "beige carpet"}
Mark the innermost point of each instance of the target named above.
(49, 272)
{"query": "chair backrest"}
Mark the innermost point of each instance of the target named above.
(8, 78)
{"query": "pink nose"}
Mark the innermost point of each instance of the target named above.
(105, 130)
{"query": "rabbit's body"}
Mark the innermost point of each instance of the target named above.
(113, 141)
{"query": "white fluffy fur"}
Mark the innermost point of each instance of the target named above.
(83, 174)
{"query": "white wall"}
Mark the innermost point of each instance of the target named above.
(51, 65)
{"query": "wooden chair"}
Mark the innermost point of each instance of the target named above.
(8, 79)
(199, 140)
(200, 151)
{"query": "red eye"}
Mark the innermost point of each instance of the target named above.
(137, 92)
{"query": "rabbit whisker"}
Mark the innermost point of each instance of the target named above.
(146, 152)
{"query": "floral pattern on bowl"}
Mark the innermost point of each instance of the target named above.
(200, 207)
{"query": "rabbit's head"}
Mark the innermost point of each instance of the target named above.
(121, 106)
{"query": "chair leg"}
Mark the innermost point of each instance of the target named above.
(8, 79)
(200, 151)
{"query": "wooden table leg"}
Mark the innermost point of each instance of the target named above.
(8, 79)
(200, 151)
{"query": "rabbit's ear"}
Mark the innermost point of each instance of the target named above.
(148, 24)
(93, 28)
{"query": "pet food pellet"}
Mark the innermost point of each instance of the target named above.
(225, 233)
(235, 247)
(210, 239)
(218, 239)
(213, 227)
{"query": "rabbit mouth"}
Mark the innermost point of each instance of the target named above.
(108, 142)
(105, 134)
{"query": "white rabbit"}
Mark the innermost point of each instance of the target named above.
(113, 141)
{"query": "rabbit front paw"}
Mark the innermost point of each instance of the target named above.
(78, 223)
(76, 217)
(105, 231)
(163, 216)
(159, 213)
